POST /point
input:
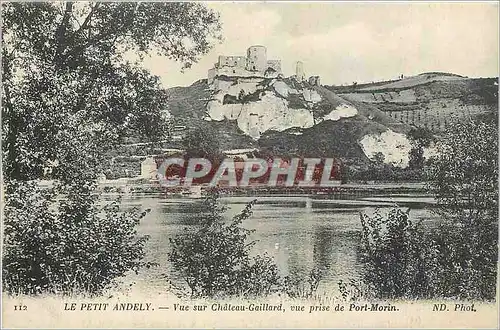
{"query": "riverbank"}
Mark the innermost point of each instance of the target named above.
(354, 190)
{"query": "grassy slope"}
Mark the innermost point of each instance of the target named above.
(438, 99)
(417, 80)
(365, 111)
(435, 98)
(188, 106)
(187, 103)
(337, 139)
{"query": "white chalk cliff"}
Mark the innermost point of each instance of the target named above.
(271, 111)
(394, 146)
(270, 108)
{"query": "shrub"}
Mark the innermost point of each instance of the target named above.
(297, 288)
(215, 259)
(394, 252)
(354, 290)
(59, 240)
(458, 259)
(464, 179)
(462, 268)
(402, 261)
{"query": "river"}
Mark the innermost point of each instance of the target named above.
(299, 232)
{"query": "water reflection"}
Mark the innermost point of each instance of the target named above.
(323, 249)
(299, 233)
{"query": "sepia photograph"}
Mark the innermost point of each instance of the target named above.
(250, 164)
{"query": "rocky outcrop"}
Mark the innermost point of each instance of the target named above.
(260, 105)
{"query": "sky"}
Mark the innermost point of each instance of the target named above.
(346, 42)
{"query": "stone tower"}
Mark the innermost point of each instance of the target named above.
(257, 58)
(299, 71)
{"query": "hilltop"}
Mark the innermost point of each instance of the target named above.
(432, 100)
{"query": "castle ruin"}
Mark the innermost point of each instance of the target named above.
(314, 80)
(255, 63)
(299, 71)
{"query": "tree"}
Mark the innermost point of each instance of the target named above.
(379, 158)
(68, 244)
(395, 256)
(344, 173)
(68, 82)
(464, 179)
(203, 142)
(241, 95)
(215, 259)
(458, 258)
(416, 158)
(420, 138)
(71, 91)
(465, 172)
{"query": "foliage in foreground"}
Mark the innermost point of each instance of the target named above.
(60, 241)
(215, 259)
(458, 258)
(70, 93)
(403, 259)
(394, 255)
(464, 179)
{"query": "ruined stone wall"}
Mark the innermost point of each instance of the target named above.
(274, 64)
(232, 61)
(315, 81)
(257, 58)
(255, 64)
(211, 75)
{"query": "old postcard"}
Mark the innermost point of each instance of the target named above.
(250, 164)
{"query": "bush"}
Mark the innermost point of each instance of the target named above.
(214, 260)
(401, 260)
(59, 240)
(463, 266)
(464, 177)
(297, 288)
(394, 251)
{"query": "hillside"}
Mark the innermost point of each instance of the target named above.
(420, 79)
(432, 100)
(337, 139)
(188, 103)
(289, 117)
(283, 116)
